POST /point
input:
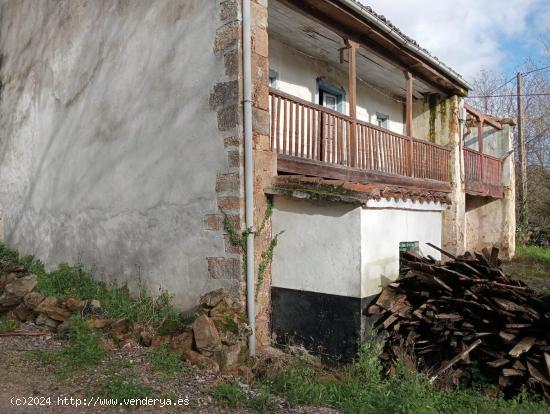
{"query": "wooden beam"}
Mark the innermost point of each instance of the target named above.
(409, 104)
(479, 115)
(352, 92)
(484, 190)
(292, 165)
(409, 121)
(480, 135)
(480, 145)
(348, 24)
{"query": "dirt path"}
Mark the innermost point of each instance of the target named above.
(23, 375)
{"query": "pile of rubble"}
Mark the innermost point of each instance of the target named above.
(445, 318)
(215, 340)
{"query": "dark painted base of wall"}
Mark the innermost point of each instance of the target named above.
(327, 325)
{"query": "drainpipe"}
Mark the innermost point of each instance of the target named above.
(248, 176)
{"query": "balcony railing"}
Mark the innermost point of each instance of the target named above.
(304, 130)
(482, 168)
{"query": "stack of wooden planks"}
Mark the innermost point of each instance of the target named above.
(449, 317)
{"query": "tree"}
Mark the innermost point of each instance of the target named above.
(494, 94)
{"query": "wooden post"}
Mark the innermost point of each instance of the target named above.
(523, 215)
(409, 121)
(352, 91)
(480, 144)
(409, 105)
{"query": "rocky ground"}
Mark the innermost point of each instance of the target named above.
(25, 374)
(55, 348)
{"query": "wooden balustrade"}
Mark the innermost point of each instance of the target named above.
(305, 130)
(482, 168)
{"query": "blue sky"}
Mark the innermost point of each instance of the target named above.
(470, 35)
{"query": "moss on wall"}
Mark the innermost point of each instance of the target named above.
(443, 114)
(432, 101)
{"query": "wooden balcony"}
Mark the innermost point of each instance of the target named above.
(482, 174)
(313, 140)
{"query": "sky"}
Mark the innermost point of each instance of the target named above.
(470, 35)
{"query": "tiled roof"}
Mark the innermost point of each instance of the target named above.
(314, 188)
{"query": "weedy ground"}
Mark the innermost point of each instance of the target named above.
(77, 364)
(531, 264)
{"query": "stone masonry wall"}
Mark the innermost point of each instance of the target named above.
(454, 220)
(265, 162)
(226, 99)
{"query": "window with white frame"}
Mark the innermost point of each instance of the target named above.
(382, 120)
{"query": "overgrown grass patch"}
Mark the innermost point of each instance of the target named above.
(166, 361)
(8, 325)
(116, 301)
(530, 262)
(83, 351)
(123, 388)
(229, 394)
(360, 388)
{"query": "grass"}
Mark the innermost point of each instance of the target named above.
(229, 394)
(530, 262)
(359, 388)
(116, 301)
(166, 361)
(8, 326)
(123, 388)
(83, 351)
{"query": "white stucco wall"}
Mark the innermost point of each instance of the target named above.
(320, 249)
(109, 149)
(298, 76)
(348, 250)
(384, 224)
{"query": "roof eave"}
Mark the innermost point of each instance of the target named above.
(380, 24)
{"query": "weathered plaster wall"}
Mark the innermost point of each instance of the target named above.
(298, 76)
(454, 218)
(110, 147)
(384, 224)
(484, 219)
(347, 250)
(320, 250)
(432, 117)
(492, 222)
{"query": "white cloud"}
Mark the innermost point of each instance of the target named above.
(468, 35)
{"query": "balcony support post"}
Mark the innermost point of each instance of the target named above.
(409, 122)
(480, 145)
(352, 91)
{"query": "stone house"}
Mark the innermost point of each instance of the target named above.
(139, 137)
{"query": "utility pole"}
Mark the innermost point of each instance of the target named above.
(523, 217)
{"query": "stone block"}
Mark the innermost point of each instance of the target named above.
(224, 268)
(228, 118)
(232, 62)
(227, 36)
(230, 203)
(224, 93)
(228, 182)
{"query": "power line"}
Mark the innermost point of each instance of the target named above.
(508, 95)
(536, 70)
(514, 77)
